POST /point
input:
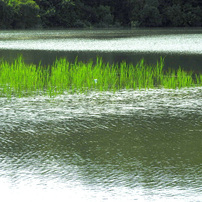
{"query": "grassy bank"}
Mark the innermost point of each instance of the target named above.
(20, 79)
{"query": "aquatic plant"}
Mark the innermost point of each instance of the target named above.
(21, 79)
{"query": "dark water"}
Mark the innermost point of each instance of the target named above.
(143, 145)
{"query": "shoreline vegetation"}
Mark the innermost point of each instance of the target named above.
(47, 14)
(18, 79)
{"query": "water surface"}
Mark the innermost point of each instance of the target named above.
(128, 145)
(181, 47)
(123, 146)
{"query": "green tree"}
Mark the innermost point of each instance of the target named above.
(65, 14)
(6, 15)
(26, 13)
(59, 13)
(105, 18)
(99, 13)
(150, 16)
(174, 16)
(136, 7)
(191, 15)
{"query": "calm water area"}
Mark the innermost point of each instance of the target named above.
(142, 145)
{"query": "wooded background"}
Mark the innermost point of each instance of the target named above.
(26, 14)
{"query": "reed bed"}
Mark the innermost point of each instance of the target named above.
(20, 79)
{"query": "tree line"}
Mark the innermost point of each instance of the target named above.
(27, 14)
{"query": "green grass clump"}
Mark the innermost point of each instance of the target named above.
(20, 79)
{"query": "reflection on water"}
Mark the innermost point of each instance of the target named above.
(167, 43)
(128, 145)
(182, 47)
(143, 145)
(137, 40)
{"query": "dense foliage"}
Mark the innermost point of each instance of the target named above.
(99, 13)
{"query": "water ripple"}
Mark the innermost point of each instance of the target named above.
(128, 144)
(24, 114)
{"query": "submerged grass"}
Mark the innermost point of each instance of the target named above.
(20, 79)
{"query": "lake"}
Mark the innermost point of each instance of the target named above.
(180, 47)
(143, 145)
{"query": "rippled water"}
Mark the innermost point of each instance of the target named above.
(105, 41)
(128, 145)
(123, 146)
